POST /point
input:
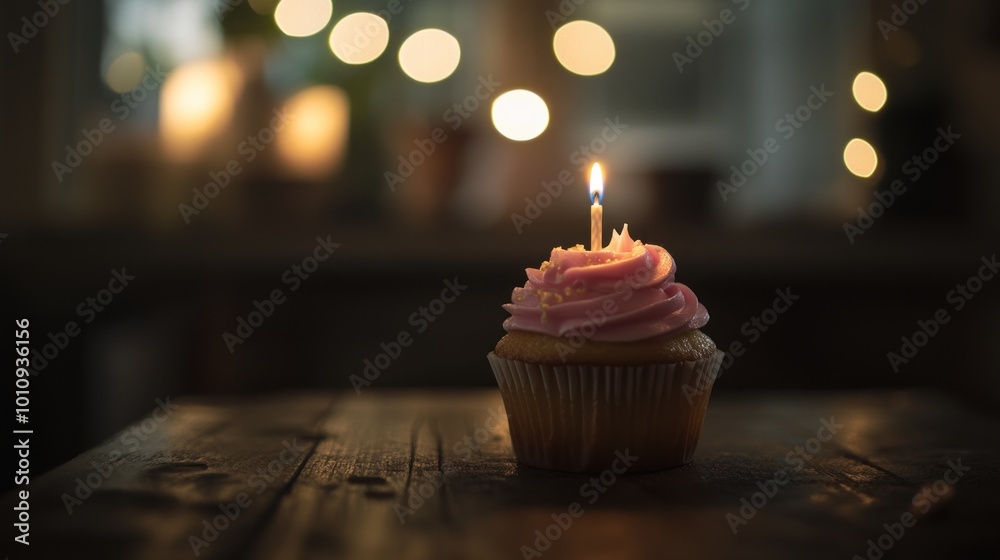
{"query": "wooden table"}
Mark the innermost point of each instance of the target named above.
(392, 475)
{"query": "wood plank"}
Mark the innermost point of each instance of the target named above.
(154, 486)
(370, 454)
(349, 500)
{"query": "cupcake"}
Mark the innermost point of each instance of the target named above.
(603, 358)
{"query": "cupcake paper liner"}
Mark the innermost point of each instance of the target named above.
(576, 417)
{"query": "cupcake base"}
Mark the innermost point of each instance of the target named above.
(576, 417)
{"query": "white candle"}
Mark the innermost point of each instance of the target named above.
(596, 211)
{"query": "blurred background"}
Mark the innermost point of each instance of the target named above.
(205, 146)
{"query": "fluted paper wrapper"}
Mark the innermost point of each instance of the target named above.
(582, 418)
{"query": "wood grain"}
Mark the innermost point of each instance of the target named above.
(415, 475)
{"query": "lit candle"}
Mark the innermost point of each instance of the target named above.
(596, 211)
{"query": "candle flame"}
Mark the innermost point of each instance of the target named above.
(596, 184)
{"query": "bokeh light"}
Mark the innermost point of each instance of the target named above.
(359, 38)
(314, 140)
(125, 72)
(302, 18)
(429, 55)
(869, 91)
(584, 48)
(860, 158)
(196, 103)
(520, 115)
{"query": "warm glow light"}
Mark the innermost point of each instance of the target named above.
(596, 184)
(584, 48)
(359, 38)
(314, 140)
(429, 55)
(869, 91)
(520, 115)
(196, 103)
(125, 72)
(860, 158)
(302, 18)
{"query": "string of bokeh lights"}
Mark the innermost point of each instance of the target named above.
(431, 55)
(197, 97)
(870, 94)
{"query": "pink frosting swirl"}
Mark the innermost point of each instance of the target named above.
(624, 292)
